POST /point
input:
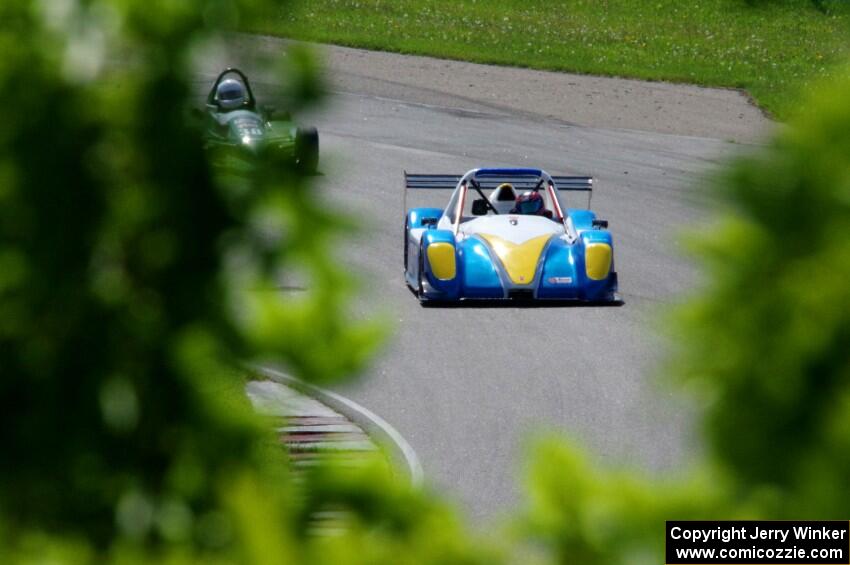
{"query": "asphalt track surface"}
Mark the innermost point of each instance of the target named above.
(470, 386)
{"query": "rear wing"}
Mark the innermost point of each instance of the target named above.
(521, 179)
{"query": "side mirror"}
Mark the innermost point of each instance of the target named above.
(479, 207)
(600, 224)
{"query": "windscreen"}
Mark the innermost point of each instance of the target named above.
(509, 200)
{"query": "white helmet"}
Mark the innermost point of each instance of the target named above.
(230, 94)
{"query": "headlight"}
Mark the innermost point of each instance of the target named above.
(441, 257)
(597, 260)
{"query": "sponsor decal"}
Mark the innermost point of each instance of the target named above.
(560, 280)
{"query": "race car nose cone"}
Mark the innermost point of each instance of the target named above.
(520, 260)
(251, 144)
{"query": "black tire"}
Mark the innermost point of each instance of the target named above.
(420, 287)
(405, 244)
(307, 149)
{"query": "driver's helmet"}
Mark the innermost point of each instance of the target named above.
(529, 203)
(230, 94)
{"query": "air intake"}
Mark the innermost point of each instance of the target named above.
(521, 294)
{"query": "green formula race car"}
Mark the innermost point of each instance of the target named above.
(237, 132)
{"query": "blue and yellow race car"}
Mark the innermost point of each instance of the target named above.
(514, 241)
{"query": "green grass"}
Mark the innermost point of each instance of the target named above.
(773, 49)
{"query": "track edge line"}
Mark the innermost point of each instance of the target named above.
(360, 415)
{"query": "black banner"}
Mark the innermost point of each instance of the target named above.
(758, 542)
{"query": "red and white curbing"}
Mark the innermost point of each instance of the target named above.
(320, 421)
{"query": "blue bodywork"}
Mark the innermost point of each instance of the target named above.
(417, 217)
(567, 261)
(510, 172)
(478, 275)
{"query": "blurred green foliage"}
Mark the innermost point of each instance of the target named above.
(769, 341)
(582, 513)
(764, 348)
(131, 277)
